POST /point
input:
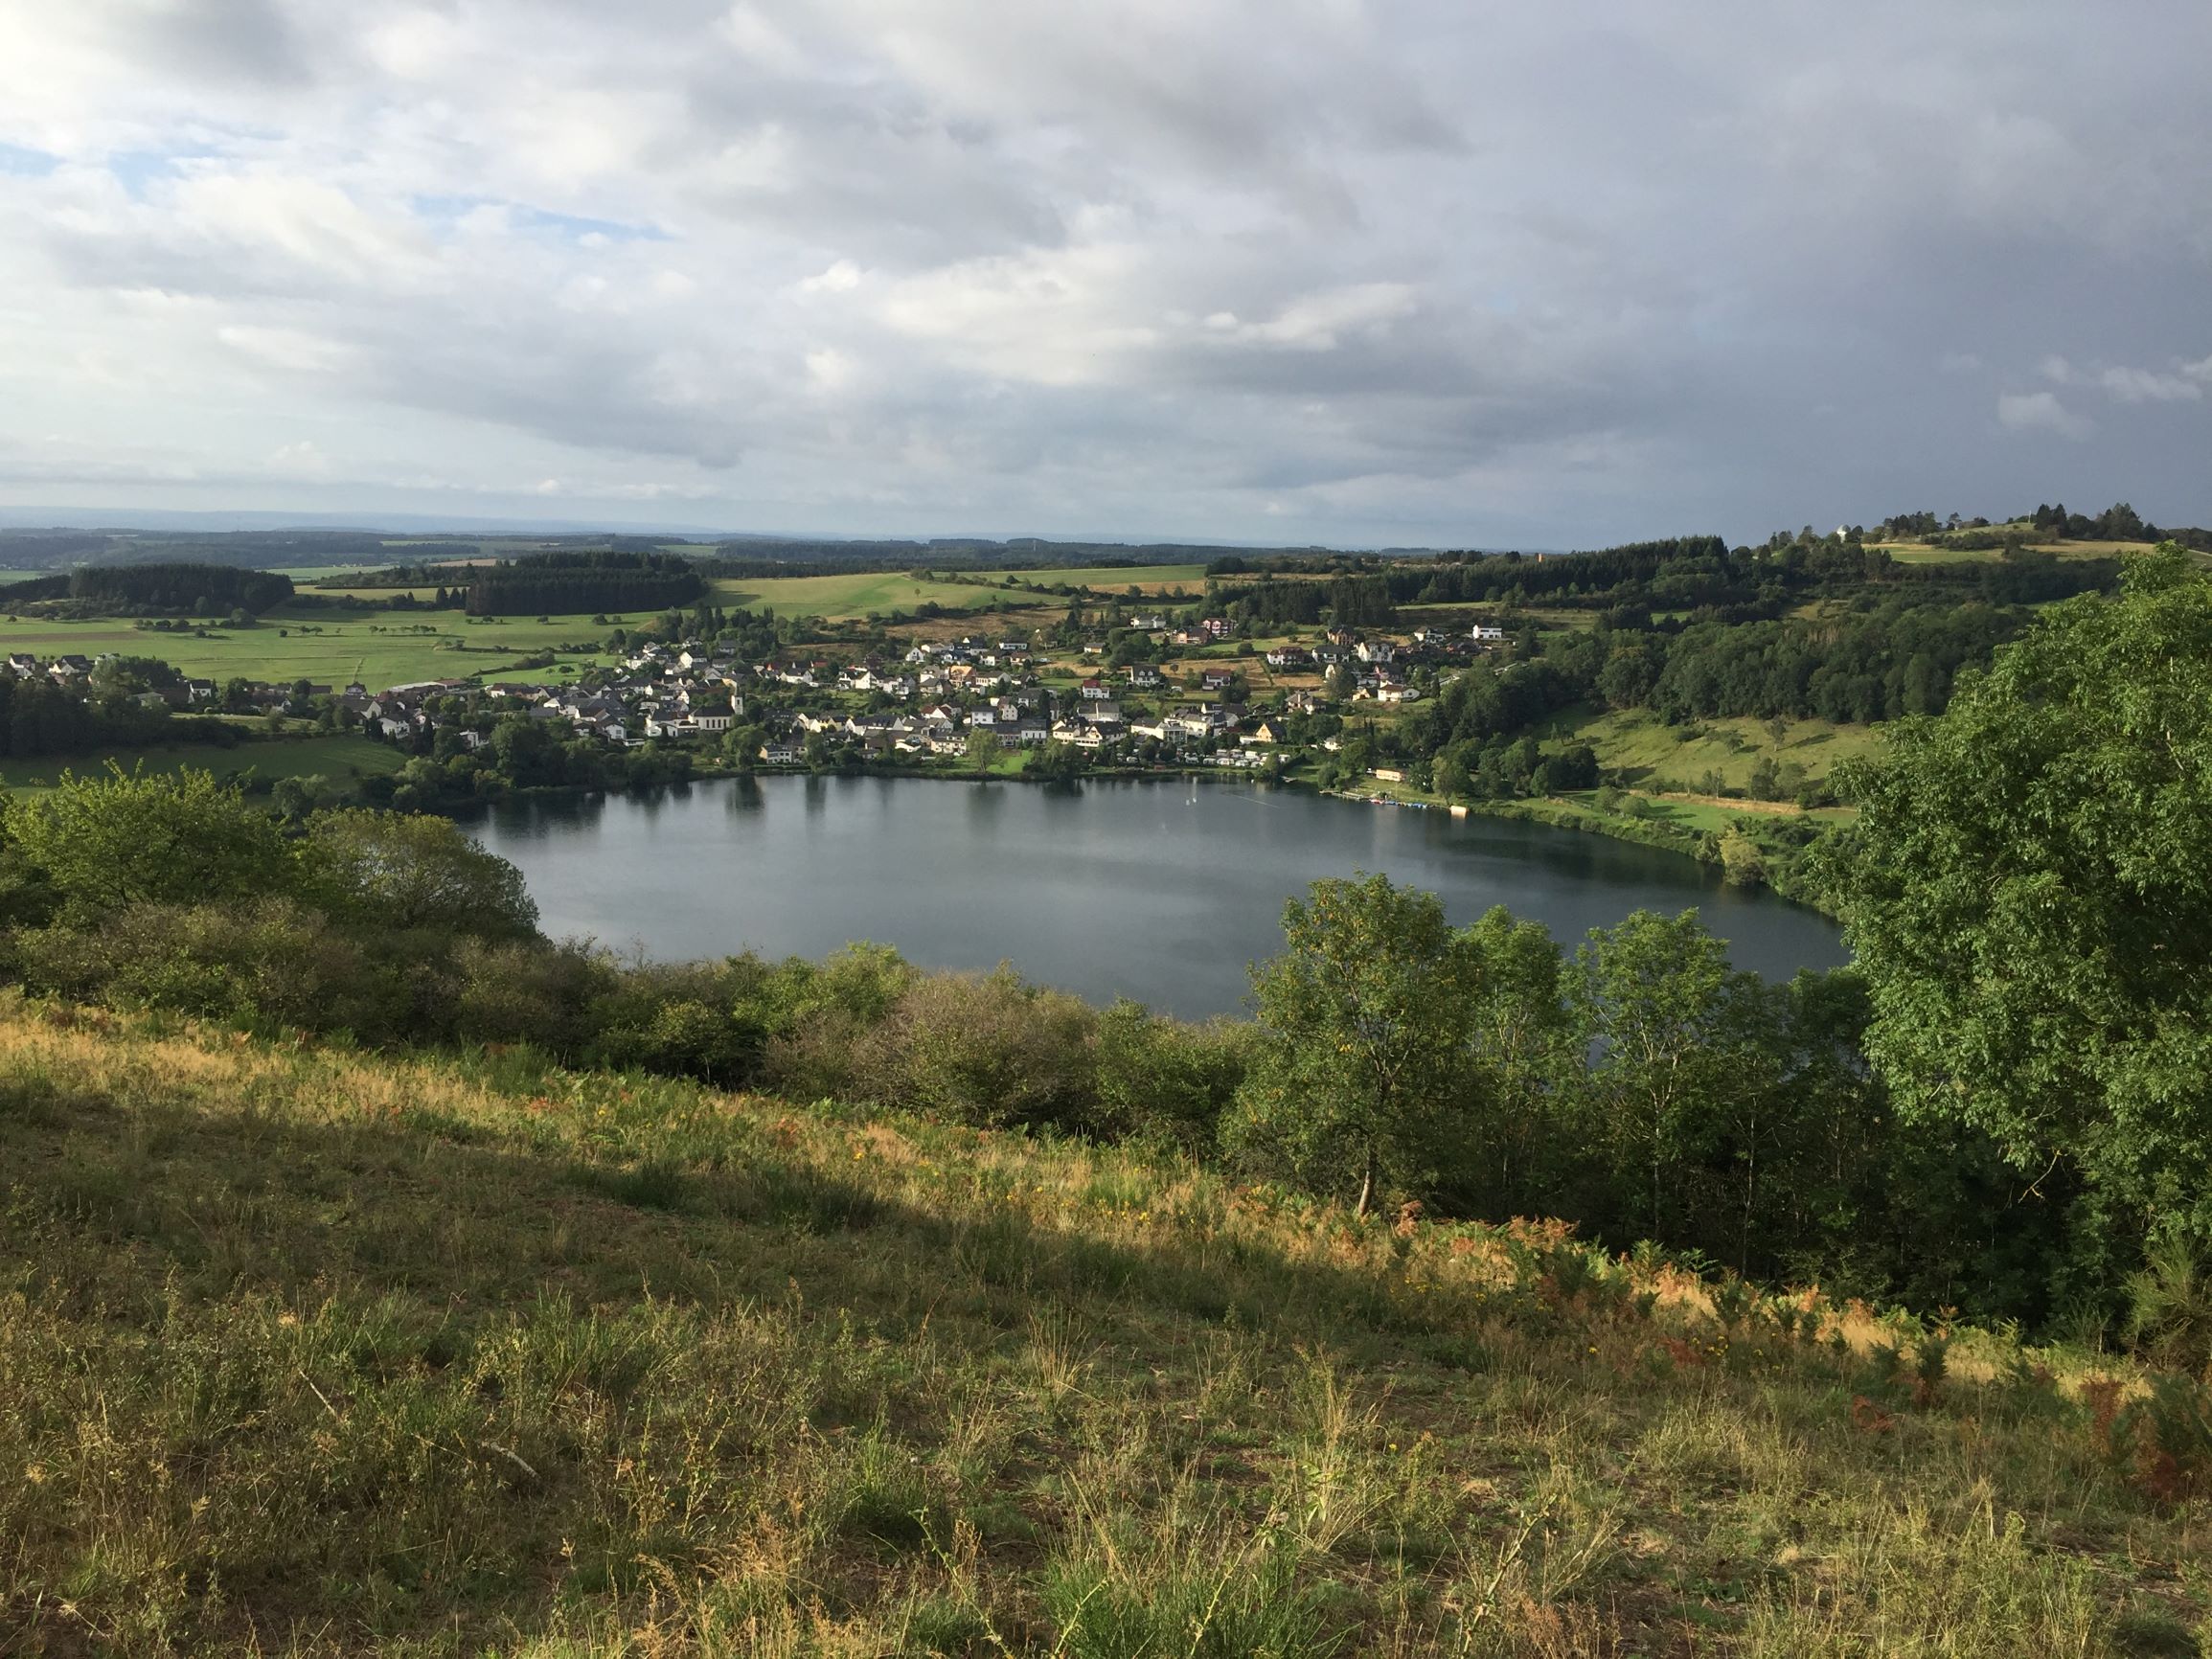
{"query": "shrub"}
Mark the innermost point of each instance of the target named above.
(531, 993)
(392, 870)
(1164, 1078)
(131, 837)
(268, 962)
(989, 1050)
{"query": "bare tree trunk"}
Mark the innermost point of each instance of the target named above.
(1366, 1185)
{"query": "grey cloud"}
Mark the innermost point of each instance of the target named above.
(1315, 271)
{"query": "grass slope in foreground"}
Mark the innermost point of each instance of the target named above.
(303, 1352)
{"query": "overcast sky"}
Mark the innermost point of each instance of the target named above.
(1435, 272)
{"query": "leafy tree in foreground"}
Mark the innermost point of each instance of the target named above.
(102, 843)
(1687, 1052)
(2028, 892)
(1364, 1020)
(407, 871)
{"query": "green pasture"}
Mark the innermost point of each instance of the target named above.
(379, 648)
(836, 598)
(1913, 552)
(1119, 579)
(1646, 747)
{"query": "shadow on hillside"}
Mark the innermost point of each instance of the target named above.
(471, 1222)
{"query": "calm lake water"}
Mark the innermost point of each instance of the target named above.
(1148, 890)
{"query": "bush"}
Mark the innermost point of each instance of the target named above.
(268, 963)
(1165, 1079)
(534, 993)
(689, 1018)
(989, 1050)
(132, 837)
(391, 870)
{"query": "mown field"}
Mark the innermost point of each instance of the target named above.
(880, 592)
(335, 756)
(860, 594)
(1913, 552)
(1646, 747)
(304, 1351)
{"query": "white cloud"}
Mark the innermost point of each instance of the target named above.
(2039, 412)
(2149, 386)
(288, 348)
(841, 278)
(301, 459)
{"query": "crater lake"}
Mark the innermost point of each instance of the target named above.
(1158, 890)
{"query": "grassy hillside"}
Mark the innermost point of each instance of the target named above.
(1917, 553)
(304, 1351)
(1639, 743)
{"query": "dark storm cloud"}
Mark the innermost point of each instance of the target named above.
(1316, 269)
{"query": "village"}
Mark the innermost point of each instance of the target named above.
(1148, 693)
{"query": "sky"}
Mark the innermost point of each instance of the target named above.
(1407, 272)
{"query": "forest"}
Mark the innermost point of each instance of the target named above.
(156, 589)
(571, 582)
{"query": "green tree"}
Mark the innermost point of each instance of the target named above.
(2028, 892)
(405, 871)
(1684, 1056)
(104, 843)
(1363, 1024)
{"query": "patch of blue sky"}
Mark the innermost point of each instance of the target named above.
(27, 163)
(542, 221)
(136, 168)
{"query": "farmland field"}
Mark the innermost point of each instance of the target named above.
(368, 645)
(854, 595)
(1151, 579)
(1912, 552)
(857, 593)
(1648, 748)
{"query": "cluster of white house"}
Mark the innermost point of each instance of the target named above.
(963, 687)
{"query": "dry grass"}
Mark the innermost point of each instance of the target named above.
(305, 1352)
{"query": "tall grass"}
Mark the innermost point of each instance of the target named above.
(305, 1352)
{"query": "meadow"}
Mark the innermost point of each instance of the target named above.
(377, 647)
(860, 594)
(310, 1352)
(1638, 743)
(1915, 552)
(878, 593)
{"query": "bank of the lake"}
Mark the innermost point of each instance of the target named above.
(1163, 891)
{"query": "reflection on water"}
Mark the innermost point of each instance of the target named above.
(1149, 890)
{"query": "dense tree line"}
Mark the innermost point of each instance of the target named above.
(40, 718)
(569, 582)
(1861, 666)
(521, 754)
(1875, 665)
(1273, 605)
(157, 589)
